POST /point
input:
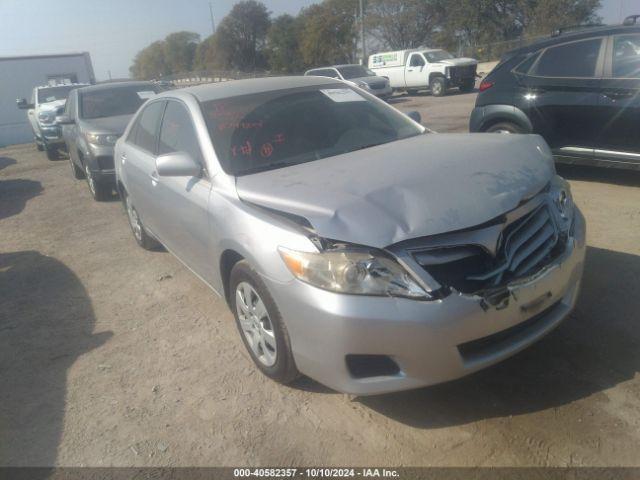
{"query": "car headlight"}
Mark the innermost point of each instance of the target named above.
(46, 117)
(353, 271)
(563, 201)
(101, 138)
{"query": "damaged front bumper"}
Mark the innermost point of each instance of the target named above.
(428, 342)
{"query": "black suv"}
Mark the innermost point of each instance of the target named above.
(579, 90)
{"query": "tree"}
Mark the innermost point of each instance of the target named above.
(283, 45)
(401, 24)
(240, 39)
(328, 34)
(174, 54)
(179, 51)
(150, 62)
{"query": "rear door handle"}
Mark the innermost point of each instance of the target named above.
(123, 157)
(154, 178)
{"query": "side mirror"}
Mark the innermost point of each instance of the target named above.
(178, 164)
(64, 120)
(22, 104)
(415, 116)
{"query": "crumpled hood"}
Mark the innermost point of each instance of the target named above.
(115, 125)
(424, 185)
(51, 106)
(457, 62)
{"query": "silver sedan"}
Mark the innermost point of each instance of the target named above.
(351, 244)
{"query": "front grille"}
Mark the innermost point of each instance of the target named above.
(525, 246)
(105, 162)
(377, 85)
(490, 345)
(467, 71)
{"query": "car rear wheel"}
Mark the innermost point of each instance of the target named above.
(39, 147)
(99, 191)
(139, 233)
(504, 127)
(260, 324)
(438, 86)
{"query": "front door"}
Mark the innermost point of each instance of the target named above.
(561, 94)
(182, 220)
(416, 71)
(619, 138)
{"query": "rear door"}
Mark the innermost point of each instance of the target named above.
(416, 72)
(619, 138)
(561, 94)
(181, 203)
(138, 162)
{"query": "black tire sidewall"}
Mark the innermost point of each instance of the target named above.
(284, 370)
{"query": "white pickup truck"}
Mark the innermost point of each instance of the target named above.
(46, 103)
(423, 68)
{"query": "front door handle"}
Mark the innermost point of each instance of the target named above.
(123, 157)
(154, 178)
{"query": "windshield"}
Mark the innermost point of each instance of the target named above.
(437, 55)
(114, 101)
(51, 94)
(270, 130)
(355, 71)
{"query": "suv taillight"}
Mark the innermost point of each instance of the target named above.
(485, 85)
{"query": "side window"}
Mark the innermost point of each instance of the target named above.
(177, 133)
(143, 133)
(526, 65)
(416, 60)
(626, 56)
(325, 72)
(576, 59)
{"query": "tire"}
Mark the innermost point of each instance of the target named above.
(99, 191)
(137, 228)
(39, 147)
(265, 338)
(438, 86)
(503, 127)
(52, 152)
(468, 86)
(77, 172)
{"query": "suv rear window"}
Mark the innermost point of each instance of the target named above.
(575, 59)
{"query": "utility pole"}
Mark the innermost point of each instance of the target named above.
(362, 41)
(213, 25)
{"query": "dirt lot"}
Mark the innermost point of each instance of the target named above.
(111, 355)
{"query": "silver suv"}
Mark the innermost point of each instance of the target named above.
(350, 243)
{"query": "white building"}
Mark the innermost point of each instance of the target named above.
(18, 77)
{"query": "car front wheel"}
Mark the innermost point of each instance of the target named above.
(438, 86)
(139, 233)
(260, 324)
(99, 191)
(504, 127)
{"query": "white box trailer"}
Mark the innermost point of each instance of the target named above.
(423, 68)
(20, 75)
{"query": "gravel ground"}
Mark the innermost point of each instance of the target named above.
(111, 355)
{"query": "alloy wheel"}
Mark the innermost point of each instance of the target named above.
(134, 220)
(256, 324)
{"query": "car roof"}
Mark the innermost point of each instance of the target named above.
(582, 34)
(114, 85)
(234, 88)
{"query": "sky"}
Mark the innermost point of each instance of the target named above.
(113, 31)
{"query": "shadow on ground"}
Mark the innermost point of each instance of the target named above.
(6, 161)
(596, 348)
(600, 174)
(46, 323)
(14, 195)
